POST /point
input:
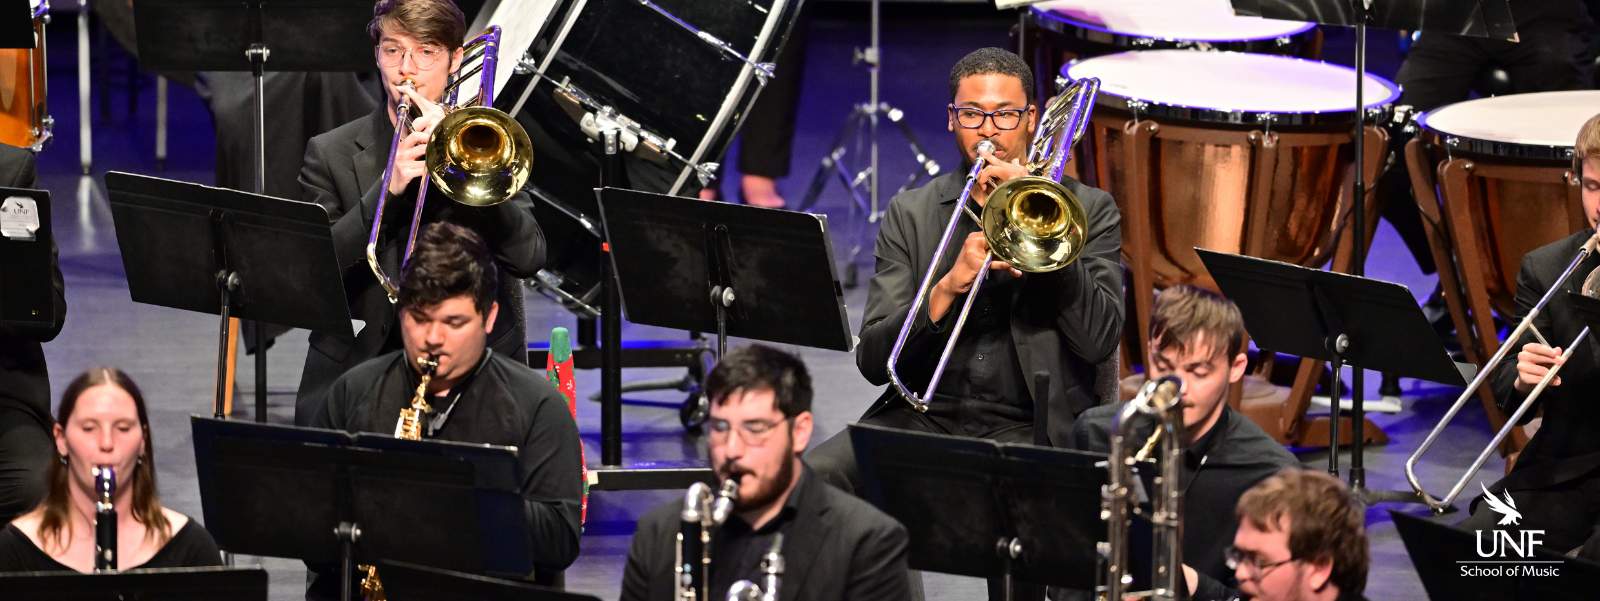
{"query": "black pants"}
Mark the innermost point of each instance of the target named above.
(1568, 513)
(769, 130)
(1443, 69)
(835, 461)
(26, 451)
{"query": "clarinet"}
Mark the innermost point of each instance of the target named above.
(105, 520)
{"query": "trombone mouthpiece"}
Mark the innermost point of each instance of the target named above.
(984, 146)
(1589, 246)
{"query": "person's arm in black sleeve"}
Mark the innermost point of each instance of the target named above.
(351, 228)
(1090, 289)
(637, 573)
(513, 235)
(894, 285)
(879, 571)
(1503, 381)
(551, 480)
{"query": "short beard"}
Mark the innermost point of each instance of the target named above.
(769, 491)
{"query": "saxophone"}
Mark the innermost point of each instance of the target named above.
(408, 427)
(772, 572)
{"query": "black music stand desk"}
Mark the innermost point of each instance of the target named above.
(166, 584)
(975, 507)
(231, 253)
(411, 582)
(340, 498)
(1340, 318)
(688, 264)
(255, 36)
(27, 273)
(1441, 553)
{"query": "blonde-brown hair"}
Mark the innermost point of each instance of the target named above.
(54, 527)
(430, 21)
(1587, 145)
(1325, 521)
(1183, 315)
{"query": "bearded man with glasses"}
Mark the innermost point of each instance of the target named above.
(1059, 325)
(835, 546)
(416, 44)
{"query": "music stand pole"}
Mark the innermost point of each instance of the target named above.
(873, 64)
(1358, 474)
(258, 54)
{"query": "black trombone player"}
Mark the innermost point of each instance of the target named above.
(417, 45)
(467, 392)
(1060, 323)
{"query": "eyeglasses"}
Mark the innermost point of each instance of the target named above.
(755, 432)
(424, 57)
(1004, 119)
(1256, 570)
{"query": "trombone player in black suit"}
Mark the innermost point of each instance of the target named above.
(1558, 472)
(419, 43)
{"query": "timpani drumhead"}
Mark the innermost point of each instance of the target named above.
(1173, 20)
(1539, 125)
(1230, 87)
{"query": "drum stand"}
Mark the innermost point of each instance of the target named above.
(855, 177)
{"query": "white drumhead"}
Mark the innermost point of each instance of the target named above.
(1180, 20)
(1539, 118)
(1232, 81)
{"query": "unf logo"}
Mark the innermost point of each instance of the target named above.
(1501, 542)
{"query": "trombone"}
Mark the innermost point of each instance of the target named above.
(477, 155)
(1591, 288)
(1034, 222)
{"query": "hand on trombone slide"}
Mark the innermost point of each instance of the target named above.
(963, 274)
(410, 159)
(1533, 363)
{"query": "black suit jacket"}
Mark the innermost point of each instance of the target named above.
(838, 548)
(1063, 323)
(24, 381)
(343, 172)
(1567, 444)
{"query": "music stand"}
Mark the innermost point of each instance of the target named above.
(231, 253)
(411, 582)
(1340, 318)
(1440, 552)
(1480, 18)
(27, 287)
(735, 270)
(255, 36)
(166, 584)
(348, 498)
(1002, 510)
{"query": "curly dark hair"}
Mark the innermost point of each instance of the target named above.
(991, 60)
(449, 261)
(760, 367)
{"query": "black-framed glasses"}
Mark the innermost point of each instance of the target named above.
(754, 432)
(972, 117)
(425, 57)
(1257, 570)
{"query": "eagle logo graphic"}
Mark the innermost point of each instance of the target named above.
(1507, 508)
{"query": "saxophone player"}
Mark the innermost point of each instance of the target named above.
(834, 546)
(420, 42)
(447, 313)
(1199, 336)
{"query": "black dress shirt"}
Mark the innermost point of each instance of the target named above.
(835, 547)
(502, 403)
